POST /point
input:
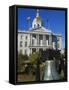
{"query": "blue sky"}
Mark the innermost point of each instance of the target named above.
(56, 20)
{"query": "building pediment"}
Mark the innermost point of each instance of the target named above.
(40, 29)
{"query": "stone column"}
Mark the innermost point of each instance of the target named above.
(30, 50)
(50, 40)
(37, 49)
(31, 39)
(37, 36)
(45, 40)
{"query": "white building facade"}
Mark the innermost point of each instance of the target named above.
(37, 38)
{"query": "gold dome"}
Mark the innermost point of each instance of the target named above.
(37, 19)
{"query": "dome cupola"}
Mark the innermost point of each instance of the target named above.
(37, 21)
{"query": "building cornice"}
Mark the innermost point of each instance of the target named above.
(35, 32)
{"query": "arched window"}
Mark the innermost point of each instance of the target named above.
(38, 25)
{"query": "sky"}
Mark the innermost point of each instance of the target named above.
(52, 19)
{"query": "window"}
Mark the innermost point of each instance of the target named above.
(38, 25)
(21, 36)
(25, 44)
(32, 41)
(26, 37)
(58, 39)
(20, 43)
(25, 51)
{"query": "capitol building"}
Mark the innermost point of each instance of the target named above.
(38, 38)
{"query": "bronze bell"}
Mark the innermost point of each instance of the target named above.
(50, 72)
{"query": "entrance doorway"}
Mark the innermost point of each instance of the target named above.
(33, 50)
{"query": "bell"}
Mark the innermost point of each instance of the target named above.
(50, 72)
